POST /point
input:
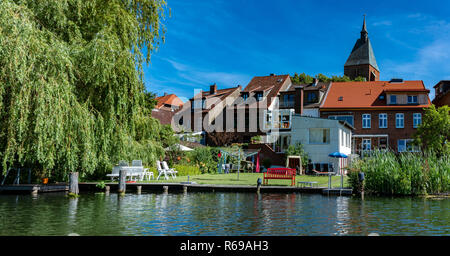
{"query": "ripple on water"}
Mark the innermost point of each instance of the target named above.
(220, 214)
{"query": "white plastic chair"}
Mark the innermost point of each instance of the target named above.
(171, 171)
(161, 170)
(138, 170)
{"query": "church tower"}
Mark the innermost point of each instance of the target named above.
(361, 61)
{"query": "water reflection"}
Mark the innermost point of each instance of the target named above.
(220, 214)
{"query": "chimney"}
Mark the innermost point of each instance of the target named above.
(165, 94)
(213, 89)
(315, 81)
(272, 74)
(298, 102)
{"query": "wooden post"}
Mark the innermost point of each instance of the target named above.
(29, 175)
(73, 183)
(17, 179)
(139, 189)
(34, 192)
(107, 189)
(258, 188)
(122, 183)
(166, 189)
(184, 189)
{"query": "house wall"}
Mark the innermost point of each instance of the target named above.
(314, 112)
(318, 153)
(394, 134)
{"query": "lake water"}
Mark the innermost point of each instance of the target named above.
(220, 214)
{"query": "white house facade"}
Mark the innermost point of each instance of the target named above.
(321, 137)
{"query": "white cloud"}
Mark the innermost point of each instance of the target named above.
(382, 23)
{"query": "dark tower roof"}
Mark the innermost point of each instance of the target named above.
(362, 52)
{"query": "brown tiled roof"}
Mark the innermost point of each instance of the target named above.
(366, 94)
(323, 86)
(164, 116)
(272, 83)
(170, 99)
(264, 83)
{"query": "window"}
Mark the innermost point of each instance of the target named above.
(382, 121)
(393, 99)
(279, 119)
(348, 139)
(366, 121)
(282, 143)
(245, 95)
(348, 119)
(319, 136)
(407, 145)
(258, 96)
(288, 100)
(268, 122)
(417, 120)
(412, 99)
(382, 144)
(311, 97)
(285, 118)
(399, 120)
(366, 144)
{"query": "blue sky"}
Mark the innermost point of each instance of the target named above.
(229, 42)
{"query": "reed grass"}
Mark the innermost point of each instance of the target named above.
(402, 174)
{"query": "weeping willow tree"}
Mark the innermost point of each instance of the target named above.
(72, 96)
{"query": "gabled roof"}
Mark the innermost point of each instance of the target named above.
(271, 84)
(366, 94)
(362, 52)
(221, 94)
(264, 83)
(170, 99)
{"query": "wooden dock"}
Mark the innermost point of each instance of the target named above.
(171, 187)
(34, 188)
(179, 187)
(337, 191)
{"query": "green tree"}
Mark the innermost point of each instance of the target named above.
(434, 132)
(72, 95)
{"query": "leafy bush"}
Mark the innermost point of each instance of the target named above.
(205, 158)
(184, 170)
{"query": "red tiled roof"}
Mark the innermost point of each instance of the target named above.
(170, 99)
(366, 94)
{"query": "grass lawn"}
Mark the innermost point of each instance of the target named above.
(249, 179)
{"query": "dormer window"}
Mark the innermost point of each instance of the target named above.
(245, 96)
(311, 97)
(412, 99)
(258, 96)
(393, 99)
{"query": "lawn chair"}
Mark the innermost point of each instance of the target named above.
(161, 170)
(171, 171)
(138, 170)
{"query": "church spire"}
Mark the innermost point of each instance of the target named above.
(361, 61)
(364, 33)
